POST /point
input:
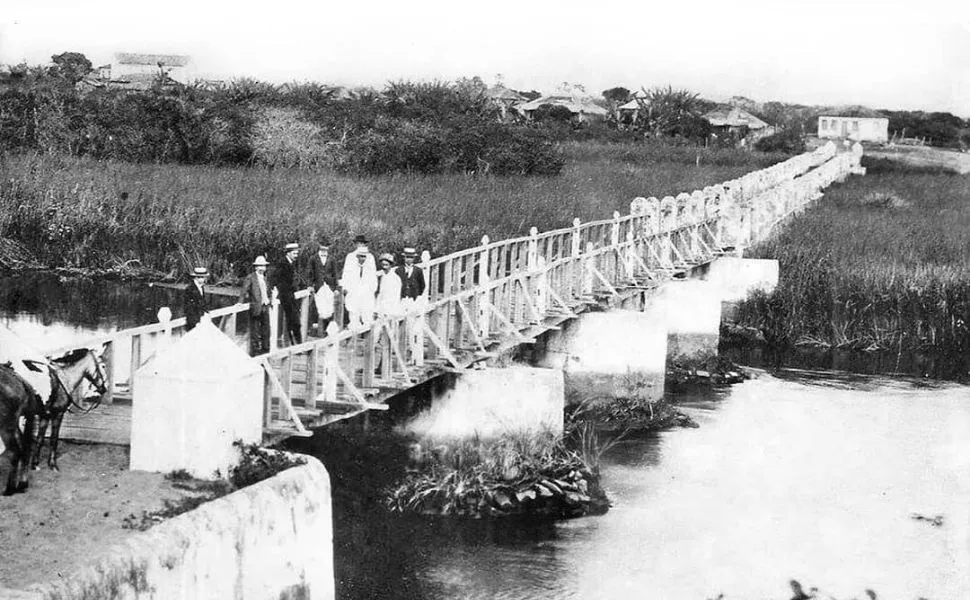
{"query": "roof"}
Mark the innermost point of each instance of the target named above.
(631, 105)
(574, 104)
(169, 60)
(500, 92)
(857, 117)
(734, 117)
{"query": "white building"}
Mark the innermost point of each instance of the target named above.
(861, 129)
(127, 64)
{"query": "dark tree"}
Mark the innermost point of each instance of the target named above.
(71, 66)
(617, 95)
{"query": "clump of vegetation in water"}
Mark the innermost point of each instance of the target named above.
(516, 474)
(881, 265)
(705, 369)
(255, 465)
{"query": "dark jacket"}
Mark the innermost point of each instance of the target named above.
(323, 274)
(413, 286)
(195, 305)
(284, 279)
(251, 293)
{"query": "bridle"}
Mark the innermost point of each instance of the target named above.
(98, 382)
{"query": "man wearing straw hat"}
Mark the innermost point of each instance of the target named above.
(196, 302)
(359, 282)
(255, 291)
(412, 279)
(285, 282)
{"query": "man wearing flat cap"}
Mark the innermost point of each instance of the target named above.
(196, 301)
(323, 278)
(255, 291)
(286, 283)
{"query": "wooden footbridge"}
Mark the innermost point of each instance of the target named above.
(483, 302)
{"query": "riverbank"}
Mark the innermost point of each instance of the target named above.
(879, 266)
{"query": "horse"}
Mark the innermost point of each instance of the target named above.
(67, 373)
(17, 400)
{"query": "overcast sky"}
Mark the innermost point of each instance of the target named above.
(885, 54)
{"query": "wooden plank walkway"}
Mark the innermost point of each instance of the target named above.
(107, 424)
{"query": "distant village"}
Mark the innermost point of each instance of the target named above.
(732, 120)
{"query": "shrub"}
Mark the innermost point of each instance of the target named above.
(787, 140)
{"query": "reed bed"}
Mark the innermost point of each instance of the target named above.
(883, 263)
(85, 213)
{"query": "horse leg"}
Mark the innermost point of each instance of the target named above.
(9, 460)
(26, 449)
(55, 438)
(38, 442)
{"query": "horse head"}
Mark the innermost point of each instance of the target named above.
(77, 367)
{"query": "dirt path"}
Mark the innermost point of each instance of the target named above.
(69, 518)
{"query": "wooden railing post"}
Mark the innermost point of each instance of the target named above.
(367, 379)
(612, 261)
(587, 274)
(312, 359)
(629, 256)
(108, 358)
(331, 361)
(541, 287)
(135, 363)
(576, 266)
(274, 324)
(305, 316)
(533, 251)
(481, 301)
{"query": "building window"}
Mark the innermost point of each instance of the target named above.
(855, 126)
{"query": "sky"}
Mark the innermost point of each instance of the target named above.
(883, 54)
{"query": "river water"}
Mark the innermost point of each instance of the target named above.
(805, 475)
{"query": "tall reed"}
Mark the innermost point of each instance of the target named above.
(882, 263)
(82, 212)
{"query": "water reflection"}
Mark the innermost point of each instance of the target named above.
(809, 475)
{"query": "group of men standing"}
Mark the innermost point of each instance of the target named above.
(366, 291)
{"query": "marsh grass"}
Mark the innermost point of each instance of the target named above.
(82, 213)
(883, 263)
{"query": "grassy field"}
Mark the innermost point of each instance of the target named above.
(86, 213)
(883, 263)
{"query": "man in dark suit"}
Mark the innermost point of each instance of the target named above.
(286, 282)
(196, 302)
(323, 278)
(255, 291)
(412, 278)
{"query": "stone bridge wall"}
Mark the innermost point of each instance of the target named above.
(270, 541)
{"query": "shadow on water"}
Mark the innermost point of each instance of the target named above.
(94, 305)
(928, 365)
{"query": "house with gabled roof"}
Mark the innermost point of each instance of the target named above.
(129, 64)
(503, 98)
(583, 109)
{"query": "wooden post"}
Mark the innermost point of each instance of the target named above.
(286, 377)
(135, 363)
(311, 376)
(533, 251)
(481, 301)
(575, 287)
(629, 260)
(305, 316)
(108, 358)
(587, 275)
(331, 361)
(541, 287)
(274, 324)
(267, 399)
(387, 367)
(367, 379)
(229, 324)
